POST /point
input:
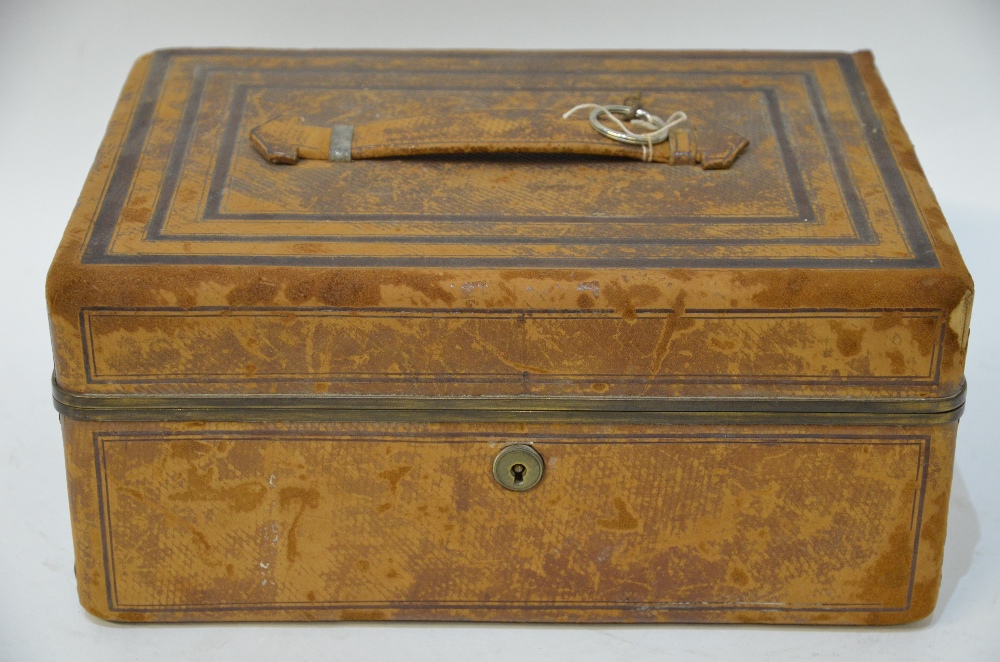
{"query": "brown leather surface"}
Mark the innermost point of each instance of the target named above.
(507, 131)
(525, 276)
(513, 132)
(286, 139)
(818, 265)
(789, 524)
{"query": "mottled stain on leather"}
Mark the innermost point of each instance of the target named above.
(623, 520)
(394, 476)
(783, 289)
(557, 275)
(257, 293)
(898, 361)
(303, 498)
(738, 576)
(672, 324)
(136, 214)
(848, 339)
(363, 289)
(346, 289)
(202, 485)
(201, 541)
(626, 298)
(887, 574)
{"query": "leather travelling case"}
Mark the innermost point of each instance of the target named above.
(384, 336)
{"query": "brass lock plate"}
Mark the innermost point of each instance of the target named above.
(518, 467)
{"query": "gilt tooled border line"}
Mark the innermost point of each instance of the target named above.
(107, 537)
(121, 177)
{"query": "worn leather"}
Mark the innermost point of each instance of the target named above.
(819, 265)
(342, 521)
(662, 272)
(286, 139)
(531, 132)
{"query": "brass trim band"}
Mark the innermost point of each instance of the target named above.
(152, 407)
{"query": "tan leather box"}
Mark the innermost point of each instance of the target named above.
(382, 335)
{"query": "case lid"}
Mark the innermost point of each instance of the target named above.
(816, 266)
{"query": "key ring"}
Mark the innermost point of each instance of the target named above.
(652, 138)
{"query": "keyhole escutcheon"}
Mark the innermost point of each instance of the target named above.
(518, 467)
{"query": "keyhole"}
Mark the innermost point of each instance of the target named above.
(518, 472)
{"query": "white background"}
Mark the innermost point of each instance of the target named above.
(61, 67)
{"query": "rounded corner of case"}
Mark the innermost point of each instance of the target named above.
(99, 611)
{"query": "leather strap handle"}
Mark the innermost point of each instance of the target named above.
(286, 139)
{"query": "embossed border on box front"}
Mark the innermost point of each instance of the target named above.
(98, 373)
(922, 442)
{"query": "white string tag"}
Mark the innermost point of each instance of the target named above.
(659, 129)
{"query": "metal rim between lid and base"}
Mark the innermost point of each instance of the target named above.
(292, 408)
